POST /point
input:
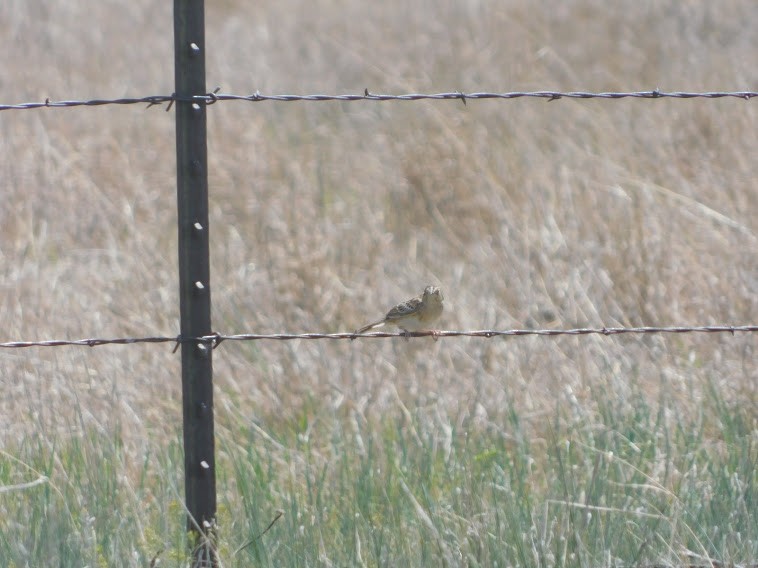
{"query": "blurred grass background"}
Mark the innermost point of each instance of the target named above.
(519, 451)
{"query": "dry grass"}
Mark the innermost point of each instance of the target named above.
(324, 214)
(589, 213)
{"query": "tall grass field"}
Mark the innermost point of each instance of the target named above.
(586, 451)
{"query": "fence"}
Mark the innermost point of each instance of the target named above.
(196, 338)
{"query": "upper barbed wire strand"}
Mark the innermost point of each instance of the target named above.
(215, 96)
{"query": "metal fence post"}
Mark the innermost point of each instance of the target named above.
(194, 275)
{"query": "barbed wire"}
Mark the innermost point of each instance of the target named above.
(215, 96)
(217, 338)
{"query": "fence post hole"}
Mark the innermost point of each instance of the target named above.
(194, 277)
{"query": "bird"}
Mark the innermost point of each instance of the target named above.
(414, 314)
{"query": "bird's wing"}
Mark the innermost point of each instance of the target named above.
(405, 309)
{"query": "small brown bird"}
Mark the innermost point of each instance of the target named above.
(415, 314)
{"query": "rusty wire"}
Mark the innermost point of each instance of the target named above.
(215, 96)
(217, 338)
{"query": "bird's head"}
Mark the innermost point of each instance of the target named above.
(433, 294)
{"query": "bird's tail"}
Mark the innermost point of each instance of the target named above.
(369, 326)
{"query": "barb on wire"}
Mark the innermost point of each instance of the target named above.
(217, 338)
(215, 96)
